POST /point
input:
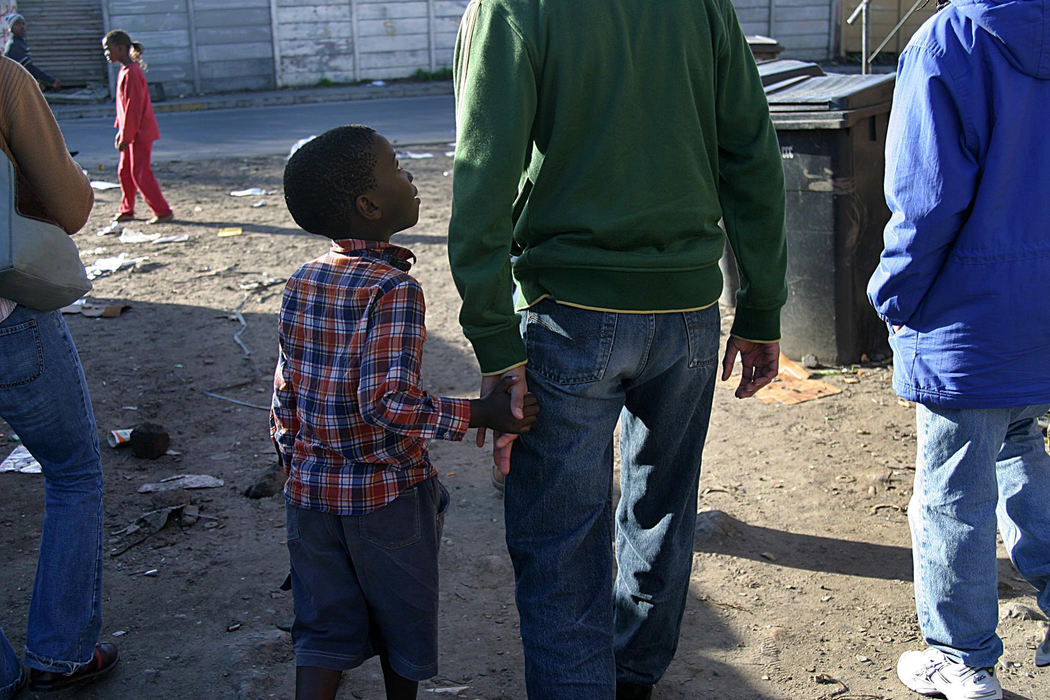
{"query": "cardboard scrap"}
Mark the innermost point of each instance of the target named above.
(230, 231)
(793, 385)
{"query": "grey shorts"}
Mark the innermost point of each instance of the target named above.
(368, 584)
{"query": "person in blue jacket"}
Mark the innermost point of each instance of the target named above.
(18, 51)
(964, 285)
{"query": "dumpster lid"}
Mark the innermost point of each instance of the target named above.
(780, 70)
(829, 92)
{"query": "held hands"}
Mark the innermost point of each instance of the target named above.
(759, 364)
(509, 390)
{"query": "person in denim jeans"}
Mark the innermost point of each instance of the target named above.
(44, 398)
(962, 284)
(599, 143)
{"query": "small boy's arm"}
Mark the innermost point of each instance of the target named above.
(389, 392)
(284, 424)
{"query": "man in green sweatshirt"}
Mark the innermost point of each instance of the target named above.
(599, 144)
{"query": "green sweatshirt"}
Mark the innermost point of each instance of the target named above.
(600, 142)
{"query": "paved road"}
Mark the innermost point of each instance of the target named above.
(258, 131)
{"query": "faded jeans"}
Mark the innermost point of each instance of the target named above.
(977, 467)
(44, 398)
(582, 630)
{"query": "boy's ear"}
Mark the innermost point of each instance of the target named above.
(367, 208)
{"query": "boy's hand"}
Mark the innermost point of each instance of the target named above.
(495, 409)
(506, 394)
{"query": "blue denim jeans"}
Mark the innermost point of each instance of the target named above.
(976, 467)
(582, 630)
(44, 398)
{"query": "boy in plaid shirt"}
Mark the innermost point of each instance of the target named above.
(364, 506)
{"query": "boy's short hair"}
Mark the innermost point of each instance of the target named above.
(326, 175)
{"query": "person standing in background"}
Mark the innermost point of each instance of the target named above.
(18, 51)
(136, 131)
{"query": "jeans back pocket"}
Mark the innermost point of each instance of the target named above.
(568, 345)
(21, 354)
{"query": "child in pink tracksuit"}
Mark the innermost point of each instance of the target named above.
(136, 130)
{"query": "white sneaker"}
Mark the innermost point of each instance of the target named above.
(1042, 654)
(930, 672)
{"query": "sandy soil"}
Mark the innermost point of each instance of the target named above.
(801, 586)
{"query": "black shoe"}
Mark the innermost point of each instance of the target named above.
(103, 661)
(633, 691)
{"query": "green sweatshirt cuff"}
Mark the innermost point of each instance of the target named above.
(757, 325)
(499, 352)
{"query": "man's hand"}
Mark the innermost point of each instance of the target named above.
(502, 441)
(759, 364)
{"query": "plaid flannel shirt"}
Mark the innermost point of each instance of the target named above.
(348, 417)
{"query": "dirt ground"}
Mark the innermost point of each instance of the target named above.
(801, 585)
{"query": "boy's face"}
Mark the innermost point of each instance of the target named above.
(18, 28)
(394, 192)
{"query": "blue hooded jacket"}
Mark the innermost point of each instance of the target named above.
(966, 266)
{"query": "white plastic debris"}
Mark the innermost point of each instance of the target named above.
(131, 236)
(102, 185)
(105, 266)
(173, 239)
(182, 481)
(20, 461)
(250, 192)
